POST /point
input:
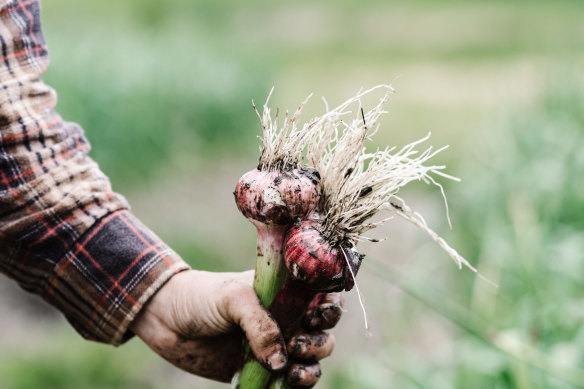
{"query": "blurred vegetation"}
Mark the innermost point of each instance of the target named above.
(65, 367)
(164, 89)
(522, 219)
(153, 83)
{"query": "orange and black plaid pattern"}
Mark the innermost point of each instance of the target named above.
(63, 233)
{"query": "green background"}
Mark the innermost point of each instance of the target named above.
(163, 90)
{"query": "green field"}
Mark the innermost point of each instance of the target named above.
(163, 91)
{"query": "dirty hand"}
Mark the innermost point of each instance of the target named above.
(195, 321)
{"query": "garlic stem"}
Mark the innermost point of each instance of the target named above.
(270, 272)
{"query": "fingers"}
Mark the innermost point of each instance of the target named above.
(303, 376)
(264, 336)
(311, 347)
(326, 313)
(323, 313)
(308, 347)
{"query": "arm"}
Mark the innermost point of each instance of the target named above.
(66, 236)
(63, 233)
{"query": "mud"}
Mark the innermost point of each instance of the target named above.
(298, 195)
(355, 259)
(365, 191)
(348, 172)
(323, 317)
(216, 358)
(301, 377)
(312, 174)
(397, 206)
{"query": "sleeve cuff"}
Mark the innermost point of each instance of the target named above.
(108, 275)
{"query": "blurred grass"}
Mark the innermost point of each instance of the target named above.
(154, 82)
(163, 91)
(521, 217)
(63, 367)
(140, 100)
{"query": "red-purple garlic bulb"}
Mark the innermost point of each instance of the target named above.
(278, 197)
(311, 260)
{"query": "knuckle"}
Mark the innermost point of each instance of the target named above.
(296, 345)
(271, 336)
(311, 347)
(236, 294)
(323, 317)
(303, 376)
(331, 316)
(312, 318)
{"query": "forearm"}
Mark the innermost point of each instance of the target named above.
(64, 234)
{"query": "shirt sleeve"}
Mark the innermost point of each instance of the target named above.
(64, 234)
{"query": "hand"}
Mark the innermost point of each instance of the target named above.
(197, 319)
(324, 312)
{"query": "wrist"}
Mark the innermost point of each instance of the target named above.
(152, 323)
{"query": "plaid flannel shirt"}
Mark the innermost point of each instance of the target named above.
(63, 233)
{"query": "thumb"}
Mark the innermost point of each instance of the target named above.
(261, 330)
